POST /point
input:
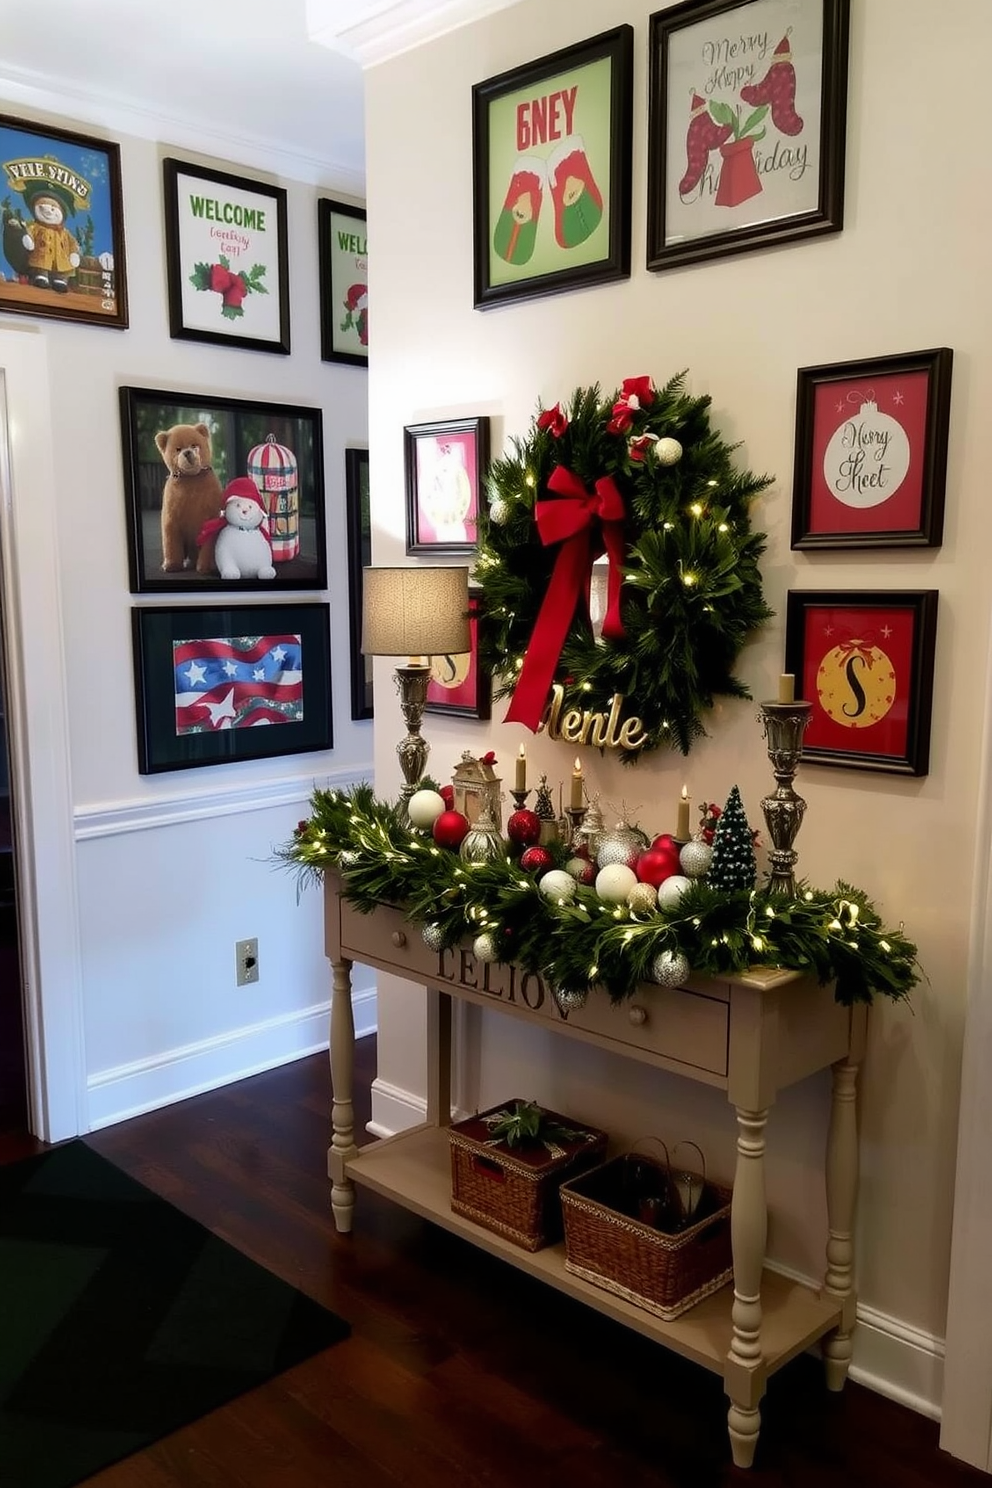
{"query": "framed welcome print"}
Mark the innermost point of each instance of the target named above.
(344, 283)
(226, 246)
(445, 466)
(871, 452)
(865, 661)
(207, 679)
(551, 149)
(747, 107)
(62, 241)
(461, 684)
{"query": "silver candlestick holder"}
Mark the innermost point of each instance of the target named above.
(783, 725)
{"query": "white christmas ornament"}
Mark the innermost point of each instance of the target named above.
(670, 891)
(499, 510)
(867, 458)
(484, 947)
(614, 883)
(669, 969)
(668, 451)
(424, 808)
(557, 884)
(695, 858)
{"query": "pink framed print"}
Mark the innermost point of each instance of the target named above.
(871, 452)
(460, 684)
(445, 466)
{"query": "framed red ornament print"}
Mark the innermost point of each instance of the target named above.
(871, 452)
(865, 661)
(461, 684)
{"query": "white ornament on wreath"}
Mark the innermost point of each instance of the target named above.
(668, 451)
(614, 883)
(670, 890)
(484, 947)
(669, 969)
(499, 511)
(557, 885)
(424, 808)
(696, 858)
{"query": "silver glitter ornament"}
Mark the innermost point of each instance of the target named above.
(620, 844)
(499, 511)
(433, 936)
(567, 1001)
(484, 947)
(668, 451)
(669, 969)
(695, 858)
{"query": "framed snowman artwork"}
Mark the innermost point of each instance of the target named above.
(871, 452)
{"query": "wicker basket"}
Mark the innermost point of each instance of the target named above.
(610, 1241)
(514, 1190)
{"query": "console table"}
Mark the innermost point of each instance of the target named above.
(750, 1035)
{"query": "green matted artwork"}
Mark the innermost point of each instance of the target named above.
(551, 155)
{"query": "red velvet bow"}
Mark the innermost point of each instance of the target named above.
(569, 522)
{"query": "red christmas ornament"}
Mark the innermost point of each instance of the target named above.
(523, 828)
(535, 859)
(657, 864)
(447, 794)
(450, 828)
(665, 842)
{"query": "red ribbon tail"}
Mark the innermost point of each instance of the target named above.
(550, 630)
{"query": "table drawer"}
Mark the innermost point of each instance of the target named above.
(684, 1026)
(388, 939)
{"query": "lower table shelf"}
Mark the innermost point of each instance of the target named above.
(414, 1169)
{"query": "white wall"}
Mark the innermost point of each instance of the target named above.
(172, 869)
(909, 271)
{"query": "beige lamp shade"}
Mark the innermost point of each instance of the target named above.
(415, 612)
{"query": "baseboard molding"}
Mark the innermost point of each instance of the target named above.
(148, 1084)
(890, 1357)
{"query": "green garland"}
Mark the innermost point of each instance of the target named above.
(692, 589)
(835, 936)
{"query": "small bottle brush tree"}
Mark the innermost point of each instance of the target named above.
(733, 865)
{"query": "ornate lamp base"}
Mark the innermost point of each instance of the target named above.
(412, 752)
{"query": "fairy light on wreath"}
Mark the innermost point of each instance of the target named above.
(642, 482)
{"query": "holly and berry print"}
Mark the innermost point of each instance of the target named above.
(231, 285)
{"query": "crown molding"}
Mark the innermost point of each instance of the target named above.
(118, 115)
(377, 30)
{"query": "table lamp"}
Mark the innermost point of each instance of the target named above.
(417, 613)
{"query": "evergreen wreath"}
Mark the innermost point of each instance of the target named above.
(581, 943)
(655, 476)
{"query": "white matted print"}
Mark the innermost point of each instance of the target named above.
(226, 248)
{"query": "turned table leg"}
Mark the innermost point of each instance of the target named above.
(342, 1054)
(842, 1190)
(744, 1374)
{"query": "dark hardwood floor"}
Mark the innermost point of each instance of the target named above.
(460, 1372)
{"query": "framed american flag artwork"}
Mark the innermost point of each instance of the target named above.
(214, 684)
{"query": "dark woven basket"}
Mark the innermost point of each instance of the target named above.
(612, 1236)
(514, 1190)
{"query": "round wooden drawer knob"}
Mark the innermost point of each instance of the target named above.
(399, 938)
(638, 1015)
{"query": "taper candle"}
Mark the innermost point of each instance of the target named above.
(682, 830)
(521, 774)
(787, 687)
(576, 801)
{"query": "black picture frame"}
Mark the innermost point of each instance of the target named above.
(358, 509)
(84, 176)
(243, 438)
(445, 464)
(588, 125)
(462, 686)
(865, 660)
(701, 48)
(871, 452)
(342, 251)
(177, 732)
(227, 258)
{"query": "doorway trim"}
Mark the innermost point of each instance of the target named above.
(38, 744)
